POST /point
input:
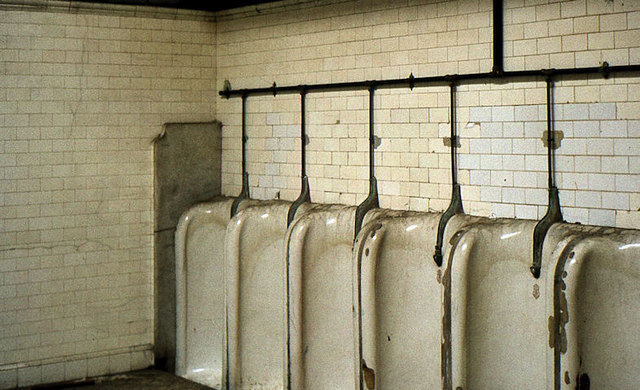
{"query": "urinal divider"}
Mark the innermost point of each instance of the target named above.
(455, 207)
(305, 193)
(371, 202)
(244, 192)
(554, 213)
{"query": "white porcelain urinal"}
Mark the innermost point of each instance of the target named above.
(595, 322)
(400, 303)
(200, 236)
(256, 296)
(319, 255)
(499, 330)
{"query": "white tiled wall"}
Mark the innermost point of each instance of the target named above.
(502, 158)
(82, 96)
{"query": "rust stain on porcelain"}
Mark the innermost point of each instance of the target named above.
(564, 318)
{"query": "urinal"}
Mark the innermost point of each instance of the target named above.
(319, 255)
(595, 323)
(256, 294)
(199, 239)
(398, 301)
(498, 336)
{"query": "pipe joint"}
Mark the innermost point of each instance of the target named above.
(451, 79)
(604, 69)
(548, 73)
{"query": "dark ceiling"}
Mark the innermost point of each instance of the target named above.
(211, 5)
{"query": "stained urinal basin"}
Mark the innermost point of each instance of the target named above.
(256, 297)
(200, 292)
(498, 335)
(400, 301)
(319, 255)
(597, 309)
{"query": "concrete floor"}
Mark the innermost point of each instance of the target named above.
(138, 380)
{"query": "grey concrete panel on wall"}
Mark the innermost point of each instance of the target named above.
(187, 171)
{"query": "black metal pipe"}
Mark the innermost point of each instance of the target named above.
(605, 70)
(303, 135)
(244, 192)
(455, 206)
(372, 139)
(305, 193)
(498, 37)
(454, 134)
(550, 136)
(554, 212)
(244, 134)
(371, 201)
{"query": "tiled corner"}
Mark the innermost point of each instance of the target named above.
(141, 360)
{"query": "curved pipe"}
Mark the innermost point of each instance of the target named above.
(244, 192)
(305, 195)
(455, 207)
(371, 202)
(554, 213)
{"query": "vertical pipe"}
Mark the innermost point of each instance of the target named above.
(372, 140)
(454, 135)
(372, 199)
(305, 193)
(244, 192)
(554, 213)
(303, 135)
(455, 207)
(244, 134)
(550, 135)
(498, 37)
